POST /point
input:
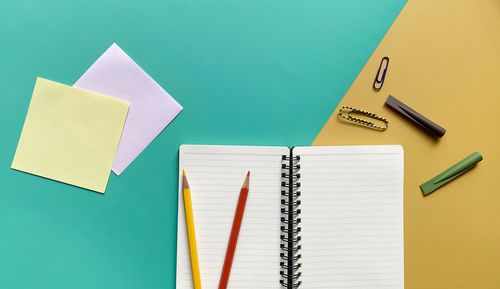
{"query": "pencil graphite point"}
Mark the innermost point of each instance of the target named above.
(185, 184)
(247, 180)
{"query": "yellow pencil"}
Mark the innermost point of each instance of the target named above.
(188, 208)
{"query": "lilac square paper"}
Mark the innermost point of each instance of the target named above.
(115, 74)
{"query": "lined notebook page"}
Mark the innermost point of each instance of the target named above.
(215, 175)
(352, 217)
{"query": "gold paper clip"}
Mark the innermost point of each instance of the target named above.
(346, 111)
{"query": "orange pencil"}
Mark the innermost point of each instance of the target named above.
(233, 238)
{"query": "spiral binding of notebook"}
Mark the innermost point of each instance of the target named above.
(290, 222)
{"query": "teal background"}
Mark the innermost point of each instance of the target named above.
(247, 72)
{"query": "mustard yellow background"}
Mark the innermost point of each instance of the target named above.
(444, 63)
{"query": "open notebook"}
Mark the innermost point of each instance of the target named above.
(321, 217)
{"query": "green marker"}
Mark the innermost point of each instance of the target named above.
(450, 174)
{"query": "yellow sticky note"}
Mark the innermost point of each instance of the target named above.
(445, 64)
(70, 135)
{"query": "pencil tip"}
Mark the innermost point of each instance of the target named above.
(247, 180)
(185, 184)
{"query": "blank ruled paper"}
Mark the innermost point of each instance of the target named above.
(215, 175)
(352, 217)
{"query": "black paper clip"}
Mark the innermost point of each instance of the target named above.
(379, 80)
